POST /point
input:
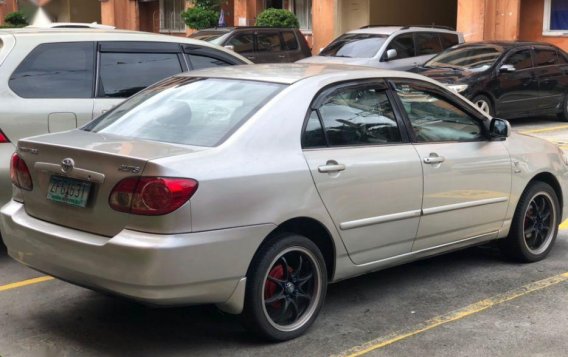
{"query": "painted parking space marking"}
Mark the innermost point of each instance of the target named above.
(23, 283)
(454, 316)
(544, 130)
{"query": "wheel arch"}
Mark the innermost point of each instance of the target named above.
(550, 179)
(311, 229)
(489, 96)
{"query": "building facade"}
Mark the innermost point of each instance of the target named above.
(323, 20)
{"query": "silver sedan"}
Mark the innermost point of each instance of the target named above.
(254, 187)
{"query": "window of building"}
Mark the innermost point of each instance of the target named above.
(555, 18)
(301, 8)
(170, 15)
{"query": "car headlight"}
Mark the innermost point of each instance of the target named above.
(458, 88)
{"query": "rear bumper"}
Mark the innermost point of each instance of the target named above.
(192, 268)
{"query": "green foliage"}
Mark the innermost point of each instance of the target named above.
(15, 19)
(277, 18)
(200, 18)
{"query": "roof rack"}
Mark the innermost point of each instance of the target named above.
(406, 27)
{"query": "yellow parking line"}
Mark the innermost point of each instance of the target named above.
(20, 284)
(542, 130)
(455, 315)
(563, 225)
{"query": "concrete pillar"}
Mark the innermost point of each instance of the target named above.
(489, 19)
(324, 23)
(124, 14)
(246, 11)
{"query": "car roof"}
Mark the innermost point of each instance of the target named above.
(46, 35)
(289, 73)
(389, 30)
(504, 44)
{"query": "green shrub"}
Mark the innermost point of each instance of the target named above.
(277, 18)
(15, 19)
(200, 18)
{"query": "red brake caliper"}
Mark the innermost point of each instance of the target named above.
(270, 288)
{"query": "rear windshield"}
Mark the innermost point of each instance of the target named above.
(356, 45)
(190, 111)
(478, 58)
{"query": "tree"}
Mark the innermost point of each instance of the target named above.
(203, 14)
(277, 18)
(15, 19)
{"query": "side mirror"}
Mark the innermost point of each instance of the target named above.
(229, 47)
(499, 129)
(507, 68)
(391, 54)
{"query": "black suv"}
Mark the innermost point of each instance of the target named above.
(259, 44)
(505, 79)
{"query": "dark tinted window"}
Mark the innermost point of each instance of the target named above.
(449, 39)
(125, 74)
(268, 42)
(359, 116)
(357, 45)
(242, 43)
(290, 40)
(521, 59)
(313, 135)
(435, 119)
(427, 43)
(198, 62)
(56, 70)
(545, 57)
(404, 46)
(562, 58)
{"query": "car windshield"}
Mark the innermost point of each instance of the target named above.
(356, 45)
(185, 110)
(479, 58)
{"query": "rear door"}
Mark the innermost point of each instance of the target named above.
(54, 85)
(551, 83)
(127, 67)
(428, 45)
(367, 173)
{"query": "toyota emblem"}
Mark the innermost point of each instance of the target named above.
(67, 165)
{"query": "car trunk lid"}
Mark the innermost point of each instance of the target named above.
(87, 166)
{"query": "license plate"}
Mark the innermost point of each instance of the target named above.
(67, 190)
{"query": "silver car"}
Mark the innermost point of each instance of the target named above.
(387, 47)
(253, 187)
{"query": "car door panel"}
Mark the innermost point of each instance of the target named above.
(550, 76)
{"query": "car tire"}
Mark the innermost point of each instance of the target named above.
(286, 287)
(484, 104)
(563, 115)
(535, 225)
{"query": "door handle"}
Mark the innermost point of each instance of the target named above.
(330, 167)
(434, 159)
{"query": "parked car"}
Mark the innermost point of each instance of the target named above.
(388, 47)
(507, 79)
(259, 44)
(59, 79)
(74, 25)
(253, 187)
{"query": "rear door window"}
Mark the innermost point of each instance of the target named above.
(199, 62)
(404, 46)
(427, 43)
(545, 57)
(290, 41)
(125, 74)
(56, 70)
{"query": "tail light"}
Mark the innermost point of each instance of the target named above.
(19, 173)
(151, 196)
(3, 138)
